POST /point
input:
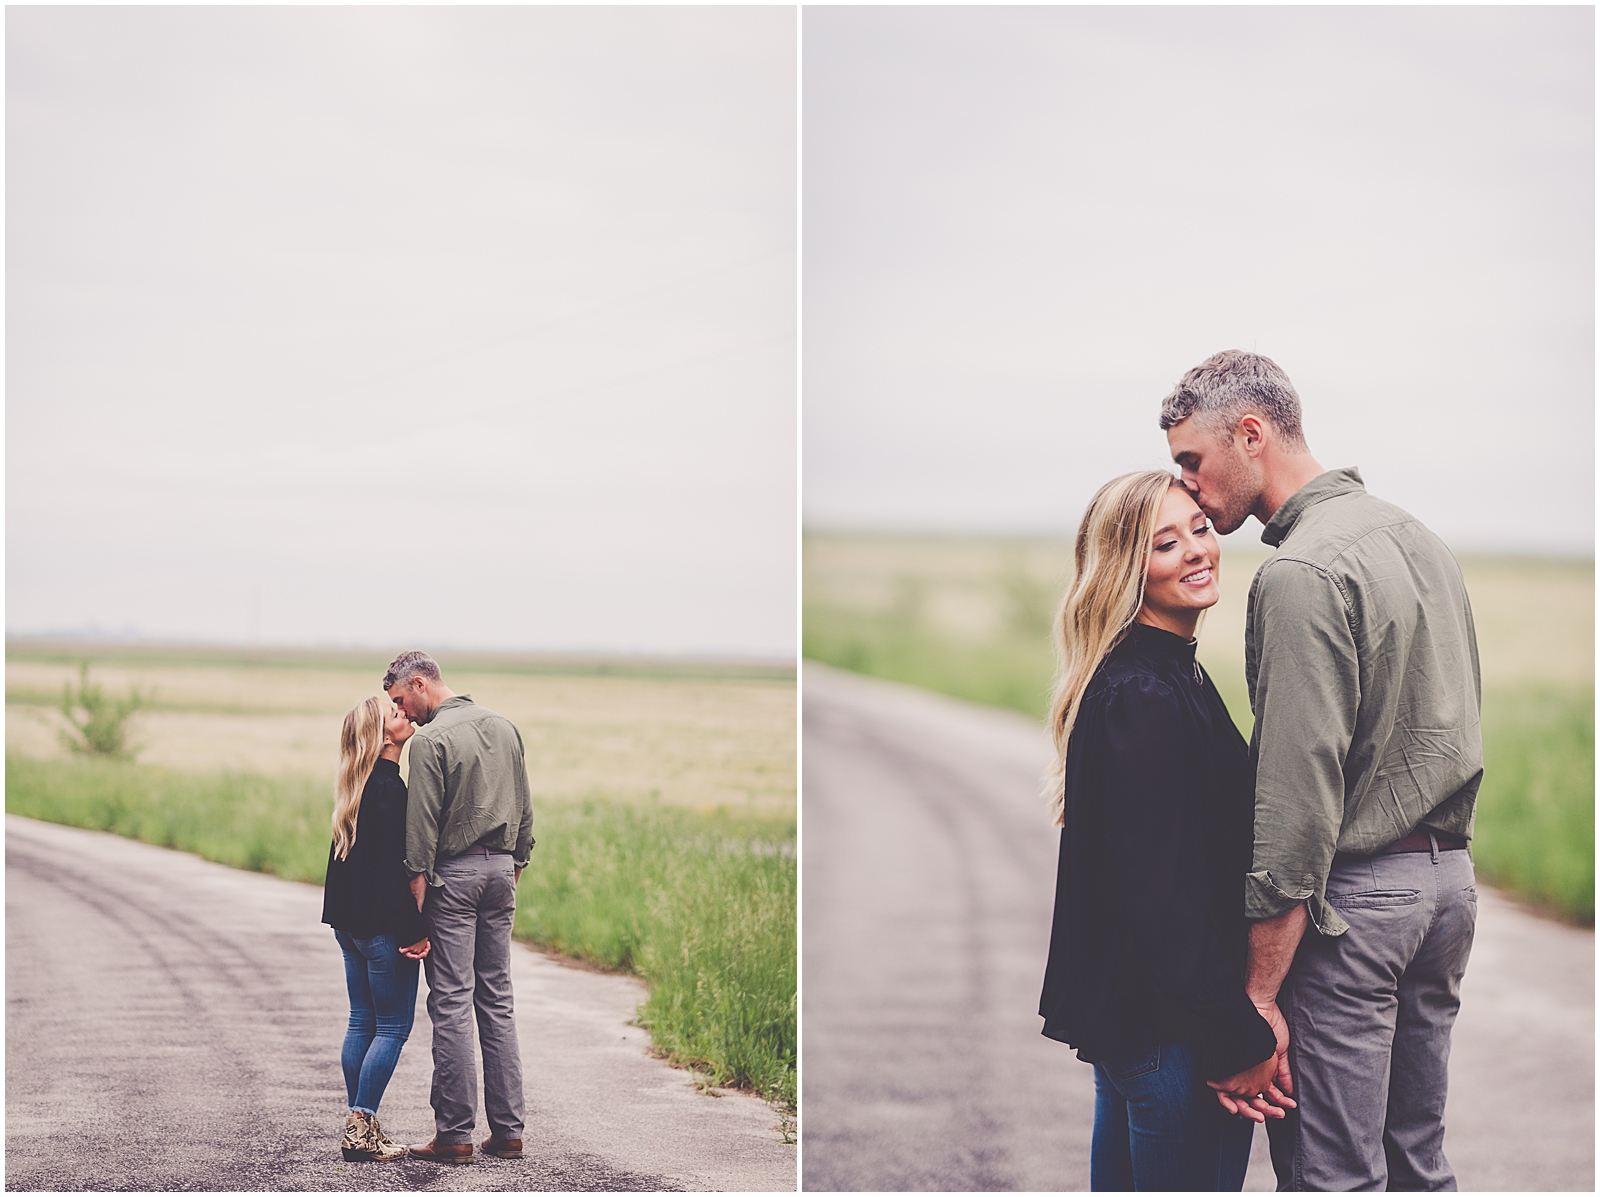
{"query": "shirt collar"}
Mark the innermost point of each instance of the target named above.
(1323, 486)
(455, 700)
(1159, 644)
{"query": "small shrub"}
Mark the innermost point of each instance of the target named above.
(100, 723)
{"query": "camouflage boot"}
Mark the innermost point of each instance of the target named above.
(386, 1148)
(354, 1135)
(364, 1141)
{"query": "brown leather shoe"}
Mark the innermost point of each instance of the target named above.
(506, 1149)
(443, 1153)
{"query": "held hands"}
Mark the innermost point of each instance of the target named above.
(1280, 1028)
(419, 890)
(1261, 1092)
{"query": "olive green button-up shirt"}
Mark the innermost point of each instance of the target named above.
(468, 785)
(1363, 670)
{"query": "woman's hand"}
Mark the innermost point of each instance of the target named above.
(417, 950)
(1254, 1092)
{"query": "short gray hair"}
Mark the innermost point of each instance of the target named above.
(409, 665)
(1231, 384)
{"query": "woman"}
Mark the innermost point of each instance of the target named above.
(1152, 791)
(367, 900)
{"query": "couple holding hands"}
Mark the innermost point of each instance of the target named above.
(429, 877)
(1273, 932)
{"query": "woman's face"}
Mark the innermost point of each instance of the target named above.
(397, 728)
(1182, 578)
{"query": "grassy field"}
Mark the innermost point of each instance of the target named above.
(664, 806)
(682, 732)
(971, 616)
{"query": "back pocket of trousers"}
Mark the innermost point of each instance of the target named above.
(1375, 899)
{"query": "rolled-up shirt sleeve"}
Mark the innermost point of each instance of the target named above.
(1307, 693)
(1148, 783)
(524, 849)
(424, 808)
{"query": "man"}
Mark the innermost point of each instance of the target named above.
(1363, 672)
(469, 831)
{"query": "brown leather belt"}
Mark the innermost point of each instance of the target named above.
(480, 850)
(1417, 841)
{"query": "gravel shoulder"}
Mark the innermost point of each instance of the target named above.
(929, 870)
(173, 1024)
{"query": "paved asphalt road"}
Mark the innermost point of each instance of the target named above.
(174, 1024)
(929, 874)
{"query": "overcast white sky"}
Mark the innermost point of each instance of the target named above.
(403, 326)
(1022, 225)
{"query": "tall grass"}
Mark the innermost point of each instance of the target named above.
(1535, 828)
(701, 905)
(276, 825)
(1535, 823)
(1010, 670)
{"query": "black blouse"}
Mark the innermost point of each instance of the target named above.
(369, 892)
(1148, 944)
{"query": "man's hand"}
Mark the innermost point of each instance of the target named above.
(1280, 1031)
(1273, 943)
(1252, 1092)
(516, 874)
(417, 950)
(419, 890)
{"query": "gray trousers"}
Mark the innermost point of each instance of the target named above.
(1369, 1016)
(469, 969)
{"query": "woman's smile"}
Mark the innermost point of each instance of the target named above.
(1181, 575)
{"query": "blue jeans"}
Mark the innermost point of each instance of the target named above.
(1157, 1126)
(383, 1002)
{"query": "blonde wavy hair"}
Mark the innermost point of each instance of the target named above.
(1110, 558)
(360, 743)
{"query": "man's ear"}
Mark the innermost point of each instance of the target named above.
(1251, 435)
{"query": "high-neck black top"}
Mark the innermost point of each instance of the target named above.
(1148, 944)
(368, 893)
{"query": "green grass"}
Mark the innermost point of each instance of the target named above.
(1007, 671)
(267, 824)
(700, 905)
(1535, 828)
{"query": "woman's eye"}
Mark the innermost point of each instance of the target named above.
(1162, 548)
